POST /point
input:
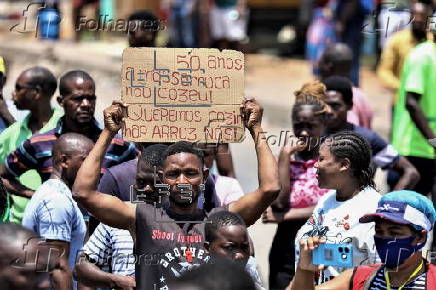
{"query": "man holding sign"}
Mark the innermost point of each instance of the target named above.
(168, 241)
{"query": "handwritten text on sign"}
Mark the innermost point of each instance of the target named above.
(179, 94)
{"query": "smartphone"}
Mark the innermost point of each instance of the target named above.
(338, 255)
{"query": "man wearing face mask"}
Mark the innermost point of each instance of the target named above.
(402, 221)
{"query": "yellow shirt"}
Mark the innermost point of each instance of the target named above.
(393, 57)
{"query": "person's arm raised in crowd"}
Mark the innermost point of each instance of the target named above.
(252, 205)
(106, 208)
(62, 278)
(418, 116)
(91, 275)
(305, 274)
(409, 176)
(224, 161)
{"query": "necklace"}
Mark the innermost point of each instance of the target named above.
(388, 283)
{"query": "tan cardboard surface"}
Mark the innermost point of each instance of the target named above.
(177, 94)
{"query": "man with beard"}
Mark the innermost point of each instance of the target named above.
(77, 97)
(399, 46)
(170, 240)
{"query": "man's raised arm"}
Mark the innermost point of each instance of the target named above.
(106, 208)
(252, 205)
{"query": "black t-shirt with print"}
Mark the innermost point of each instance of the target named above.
(165, 248)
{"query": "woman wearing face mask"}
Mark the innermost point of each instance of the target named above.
(402, 221)
(344, 166)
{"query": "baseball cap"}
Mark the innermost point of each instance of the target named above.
(404, 207)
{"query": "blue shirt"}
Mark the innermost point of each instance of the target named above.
(53, 214)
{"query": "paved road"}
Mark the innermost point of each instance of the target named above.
(270, 79)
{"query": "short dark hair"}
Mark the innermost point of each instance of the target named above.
(183, 147)
(218, 220)
(152, 155)
(342, 85)
(43, 79)
(63, 144)
(64, 89)
(148, 19)
(338, 54)
(230, 275)
(348, 144)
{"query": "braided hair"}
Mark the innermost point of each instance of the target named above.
(348, 144)
(311, 94)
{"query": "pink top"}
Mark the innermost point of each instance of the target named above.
(304, 191)
(361, 114)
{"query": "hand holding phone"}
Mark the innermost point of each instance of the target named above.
(307, 246)
(338, 255)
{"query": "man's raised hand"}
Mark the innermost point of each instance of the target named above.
(113, 116)
(251, 113)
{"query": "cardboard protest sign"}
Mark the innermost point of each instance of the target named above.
(177, 94)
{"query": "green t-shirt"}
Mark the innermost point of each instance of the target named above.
(418, 76)
(10, 139)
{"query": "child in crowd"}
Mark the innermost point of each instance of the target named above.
(226, 236)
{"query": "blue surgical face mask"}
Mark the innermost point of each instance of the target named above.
(393, 252)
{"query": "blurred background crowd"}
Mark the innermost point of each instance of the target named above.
(286, 43)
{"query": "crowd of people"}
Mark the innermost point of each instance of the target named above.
(81, 208)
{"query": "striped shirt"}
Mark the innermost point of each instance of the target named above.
(36, 152)
(111, 249)
(379, 282)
